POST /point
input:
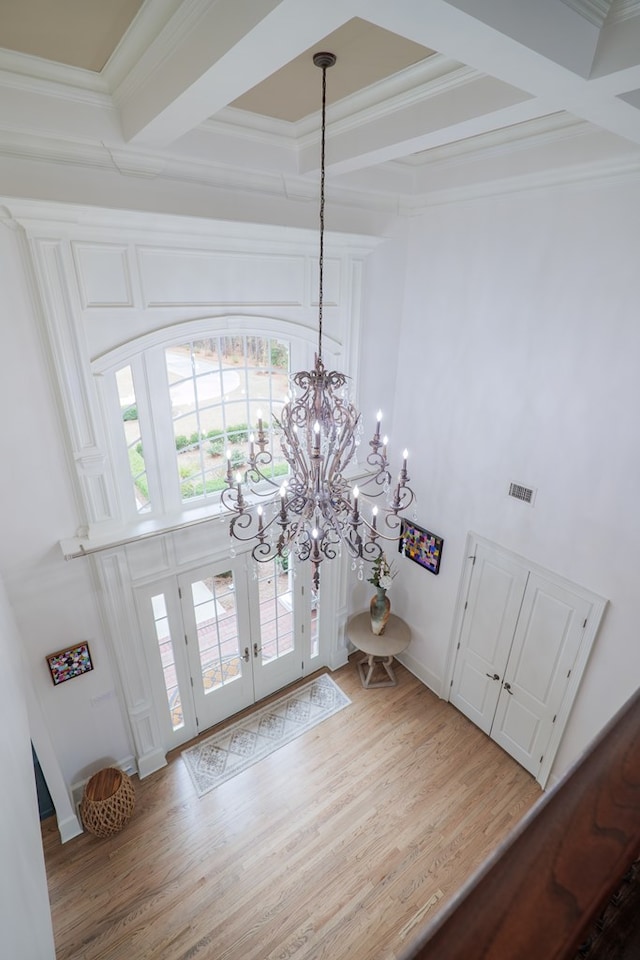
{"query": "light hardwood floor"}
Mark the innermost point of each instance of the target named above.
(339, 845)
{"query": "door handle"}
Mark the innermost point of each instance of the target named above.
(507, 687)
(494, 677)
(245, 655)
(256, 649)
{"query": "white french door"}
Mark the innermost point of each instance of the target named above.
(523, 643)
(220, 637)
(491, 614)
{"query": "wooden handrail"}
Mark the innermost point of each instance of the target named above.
(538, 895)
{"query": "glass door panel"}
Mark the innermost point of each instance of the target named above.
(277, 656)
(163, 631)
(214, 605)
(315, 623)
(276, 611)
(215, 613)
(167, 658)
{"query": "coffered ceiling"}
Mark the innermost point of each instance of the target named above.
(429, 99)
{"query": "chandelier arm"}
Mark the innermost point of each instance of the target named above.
(371, 550)
(255, 475)
(380, 462)
(264, 552)
(229, 498)
(241, 521)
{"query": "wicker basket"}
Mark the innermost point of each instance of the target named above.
(108, 802)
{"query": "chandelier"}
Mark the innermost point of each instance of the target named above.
(316, 512)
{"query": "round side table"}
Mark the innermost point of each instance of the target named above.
(107, 802)
(378, 649)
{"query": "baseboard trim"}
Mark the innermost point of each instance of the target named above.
(69, 828)
(423, 674)
(151, 762)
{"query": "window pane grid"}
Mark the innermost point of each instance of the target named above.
(315, 623)
(167, 656)
(217, 386)
(217, 628)
(276, 612)
(133, 438)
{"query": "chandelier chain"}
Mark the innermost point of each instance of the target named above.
(322, 180)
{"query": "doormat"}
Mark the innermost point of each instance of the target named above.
(243, 743)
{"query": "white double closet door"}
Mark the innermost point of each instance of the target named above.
(524, 639)
(220, 637)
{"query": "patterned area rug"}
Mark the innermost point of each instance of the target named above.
(232, 750)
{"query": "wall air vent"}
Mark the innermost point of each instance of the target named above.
(519, 492)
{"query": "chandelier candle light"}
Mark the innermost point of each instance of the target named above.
(315, 511)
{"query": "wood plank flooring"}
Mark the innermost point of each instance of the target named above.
(342, 844)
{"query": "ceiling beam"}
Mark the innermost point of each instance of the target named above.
(507, 45)
(467, 106)
(224, 49)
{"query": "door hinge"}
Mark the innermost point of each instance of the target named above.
(186, 639)
(569, 674)
(554, 718)
(474, 560)
(458, 647)
(451, 684)
(542, 758)
(585, 623)
(197, 722)
(302, 665)
(180, 592)
(191, 678)
(466, 604)
(302, 628)
(302, 591)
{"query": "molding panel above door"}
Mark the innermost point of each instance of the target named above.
(523, 644)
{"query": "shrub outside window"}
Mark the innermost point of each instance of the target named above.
(217, 388)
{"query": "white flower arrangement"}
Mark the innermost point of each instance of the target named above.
(382, 573)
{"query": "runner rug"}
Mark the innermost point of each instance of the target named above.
(243, 743)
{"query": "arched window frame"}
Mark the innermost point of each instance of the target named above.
(146, 357)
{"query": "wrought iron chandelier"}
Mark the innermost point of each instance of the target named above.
(315, 512)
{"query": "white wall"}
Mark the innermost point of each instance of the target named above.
(54, 601)
(24, 903)
(518, 361)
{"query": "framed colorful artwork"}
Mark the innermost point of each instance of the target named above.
(66, 664)
(420, 545)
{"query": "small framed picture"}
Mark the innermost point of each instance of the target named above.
(66, 664)
(420, 545)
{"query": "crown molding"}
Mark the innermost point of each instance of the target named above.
(595, 11)
(540, 131)
(578, 177)
(149, 22)
(46, 78)
(622, 10)
(456, 76)
(203, 173)
(422, 81)
(251, 126)
(27, 146)
(143, 56)
(35, 217)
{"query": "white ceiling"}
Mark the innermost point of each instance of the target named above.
(429, 99)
